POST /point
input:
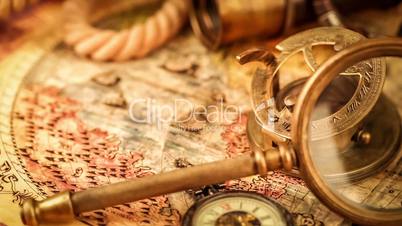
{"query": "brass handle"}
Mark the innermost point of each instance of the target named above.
(64, 206)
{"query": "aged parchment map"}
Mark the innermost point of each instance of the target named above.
(65, 126)
(67, 123)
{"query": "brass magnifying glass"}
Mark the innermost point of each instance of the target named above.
(275, 89)
(379, 205)
(300, 152)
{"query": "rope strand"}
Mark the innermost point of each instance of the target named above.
(8, 7)
(135, 42)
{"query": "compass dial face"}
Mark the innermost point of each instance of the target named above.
(237, 209)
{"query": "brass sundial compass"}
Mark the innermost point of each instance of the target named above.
(351, 98)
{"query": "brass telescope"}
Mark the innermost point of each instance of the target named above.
(66, 205)
(221, 22)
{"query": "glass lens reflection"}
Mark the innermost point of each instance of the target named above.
(361, 159)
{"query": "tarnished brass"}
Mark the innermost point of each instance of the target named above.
(217, 22)
(327, 14)
(261, 164)
(269, 93)
(96, 198)
(274, 99)
(262, 142)
(383, 123)
(301, 123)
(49, 210)
(55, 209)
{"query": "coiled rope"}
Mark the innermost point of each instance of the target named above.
(7, 7)
(135, 42)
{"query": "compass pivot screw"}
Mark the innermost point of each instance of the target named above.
(363, 137)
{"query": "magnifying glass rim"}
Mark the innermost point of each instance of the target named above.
(300, 125)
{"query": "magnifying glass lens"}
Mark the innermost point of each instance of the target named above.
(355, 134)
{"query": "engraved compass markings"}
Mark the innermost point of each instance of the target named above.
(371, 78)
(276, 122)
(309, 58)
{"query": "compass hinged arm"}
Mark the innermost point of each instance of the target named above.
(256, 54)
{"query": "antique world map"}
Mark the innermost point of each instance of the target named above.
(65, 123)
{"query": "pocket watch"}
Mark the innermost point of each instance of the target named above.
(237, 208)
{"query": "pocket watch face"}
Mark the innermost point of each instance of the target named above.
(237, 209)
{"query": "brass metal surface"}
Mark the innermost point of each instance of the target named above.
(216, 172)
(301, 124)
(274, 100)
(150, 186)
(224, 21)
(262, 142)
(55, 209)
(373, 154)
(270, 111)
